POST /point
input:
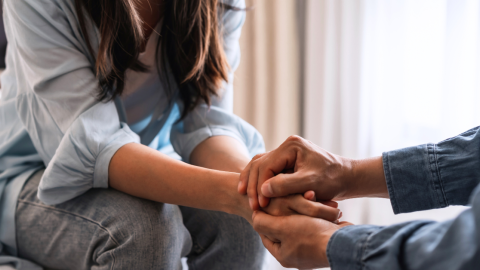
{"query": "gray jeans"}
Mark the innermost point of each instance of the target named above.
(108, 229)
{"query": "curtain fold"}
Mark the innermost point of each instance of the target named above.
(267, 82)
(267, 85)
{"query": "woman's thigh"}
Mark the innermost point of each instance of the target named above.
(101, 229)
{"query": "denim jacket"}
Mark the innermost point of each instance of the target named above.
(419, 178)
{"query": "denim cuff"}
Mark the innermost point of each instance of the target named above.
(348, 245)
(413, 179)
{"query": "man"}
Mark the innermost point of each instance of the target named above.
(416, 178)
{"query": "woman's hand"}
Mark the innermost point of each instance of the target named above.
(299, 165)
(292, 205)
(296, 241)
(298, 204)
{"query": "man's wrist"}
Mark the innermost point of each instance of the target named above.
(367, 179)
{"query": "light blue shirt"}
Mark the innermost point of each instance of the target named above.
(50, 117)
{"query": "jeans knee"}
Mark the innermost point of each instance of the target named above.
(237, 231)
(150, 234)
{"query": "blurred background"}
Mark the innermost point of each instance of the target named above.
(360, 77)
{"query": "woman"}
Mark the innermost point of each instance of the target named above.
(104, 93)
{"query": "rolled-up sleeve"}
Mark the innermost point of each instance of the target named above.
(420, 178)
(74, 134)
(218, 119)
(433, 175)
(422, 245)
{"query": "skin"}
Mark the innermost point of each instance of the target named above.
(297, 166)
(146, 173)
(296, 241)
(331, 177)
(151, 11)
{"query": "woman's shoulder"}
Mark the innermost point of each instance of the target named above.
(233, 15)
(234, 3)
(41, 12)
(50, 17)
(22, 5)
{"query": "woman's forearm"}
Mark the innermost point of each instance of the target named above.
(146, 173)
(221, 153)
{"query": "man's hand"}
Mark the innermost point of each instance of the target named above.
(295, 167)
(299, 165)
(296, 241)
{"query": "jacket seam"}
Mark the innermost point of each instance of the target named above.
(433, 173)
(365, 249)
(389, 180)
(440, 181)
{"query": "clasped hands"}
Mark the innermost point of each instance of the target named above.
(299, 167)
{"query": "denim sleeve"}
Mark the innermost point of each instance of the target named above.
(218, 119)
(433, 175)
(422, 245)
(74, 134)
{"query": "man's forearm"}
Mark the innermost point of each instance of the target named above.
(367, 179)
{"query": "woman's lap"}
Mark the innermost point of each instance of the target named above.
(101, 229)
(107, 229)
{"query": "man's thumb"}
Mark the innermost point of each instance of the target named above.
(283, 185)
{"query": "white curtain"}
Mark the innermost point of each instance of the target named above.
(267, 92)
(386, 74)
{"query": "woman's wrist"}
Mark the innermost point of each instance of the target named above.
(236, 203)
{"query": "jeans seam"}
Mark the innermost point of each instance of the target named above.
(113, 257)
(72, 214)
(245, 232)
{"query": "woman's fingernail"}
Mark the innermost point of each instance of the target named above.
(339, 214)
(239, 184)
(253, 215)
(250, 201)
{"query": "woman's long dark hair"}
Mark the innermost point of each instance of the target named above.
(190, 43)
